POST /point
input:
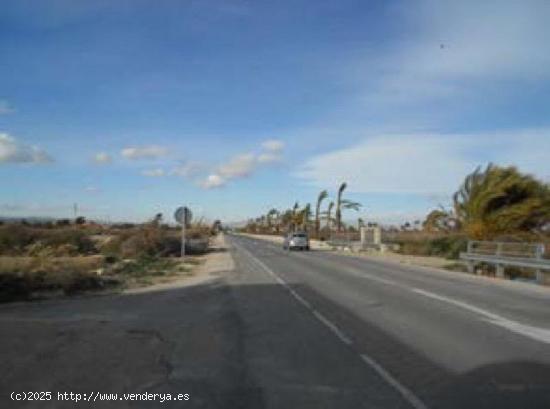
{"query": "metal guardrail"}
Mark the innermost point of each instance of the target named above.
(502, 254)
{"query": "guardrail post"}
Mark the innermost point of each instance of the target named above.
(470, 247)
(539, 251)
(500, 271)
(499, 249)
(363, 231)
(377, 235)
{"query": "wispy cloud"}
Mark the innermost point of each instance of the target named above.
(459, 48)
(187, 169)
(272, 151)
(273, 145)
(153, 173)
(238, 167)
(12, 151)
(266, 158)
(426, 164)
(5, 107)
(144, 152)
(102, 158)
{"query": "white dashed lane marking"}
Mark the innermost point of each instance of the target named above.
(406, 393)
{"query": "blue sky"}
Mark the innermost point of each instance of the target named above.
(129, 108)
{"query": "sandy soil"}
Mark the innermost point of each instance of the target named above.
(213, 265)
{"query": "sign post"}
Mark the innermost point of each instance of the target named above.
(182, 255)
(183, 216)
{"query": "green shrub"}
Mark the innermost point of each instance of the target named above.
(446, 246)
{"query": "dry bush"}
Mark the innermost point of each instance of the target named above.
(150, 241)
(139, 242)
(198, 231)
(75, 237)
(17, 239)
(14, 238)
(10, 264)
(21, 276)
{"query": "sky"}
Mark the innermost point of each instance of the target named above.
(134, 107)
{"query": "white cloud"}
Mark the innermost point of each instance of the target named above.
(273, 145)
(5, 107)
(12, 151)
(242, 165)
(266, 158)
(238, 167)
(153, 173)
(213, 181)
(102, 158)
(187, 169)
(426, 164)
(144, 152)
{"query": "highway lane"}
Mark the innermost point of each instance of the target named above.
(437, 339)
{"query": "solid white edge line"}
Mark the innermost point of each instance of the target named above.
(408, 395)
(529, 331)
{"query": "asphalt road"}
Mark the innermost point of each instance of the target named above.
(290, 330)
(425, 338)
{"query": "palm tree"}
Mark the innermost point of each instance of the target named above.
(286, 219)
(343, 204)
(305, 215)
(437, 220)
(501, 200)
(322, 196)
(295, 216)
(338, 205)
(273, 212)
(329, 214)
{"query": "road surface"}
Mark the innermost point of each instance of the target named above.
(435, 339)
(291, 330)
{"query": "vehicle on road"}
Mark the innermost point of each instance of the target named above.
(296, 240)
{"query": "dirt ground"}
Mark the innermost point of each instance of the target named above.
(211, 265)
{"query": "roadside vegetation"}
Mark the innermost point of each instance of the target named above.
(43, 259)
(493, 203)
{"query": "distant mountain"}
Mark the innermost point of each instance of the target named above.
(30, 219)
